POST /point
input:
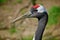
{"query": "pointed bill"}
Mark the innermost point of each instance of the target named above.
(26, 15)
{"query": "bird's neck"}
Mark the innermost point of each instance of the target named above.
(41, 26)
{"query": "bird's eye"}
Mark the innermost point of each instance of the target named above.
(33, 10)
(36, 10)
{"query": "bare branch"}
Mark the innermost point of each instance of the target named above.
(26, 6)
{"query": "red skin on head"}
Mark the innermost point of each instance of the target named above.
(36, 6)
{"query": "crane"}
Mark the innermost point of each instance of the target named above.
(40, 13)
(37, 11)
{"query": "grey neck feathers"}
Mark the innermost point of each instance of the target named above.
(41, 26)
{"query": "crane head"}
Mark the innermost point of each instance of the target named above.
(37, 11)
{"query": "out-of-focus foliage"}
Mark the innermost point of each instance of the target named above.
(6, 1)
(2, 1)
(33, 2)
(19, 1)
(13, 29)
(54, 13)
(28, 38)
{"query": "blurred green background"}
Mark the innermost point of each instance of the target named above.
(25, 28)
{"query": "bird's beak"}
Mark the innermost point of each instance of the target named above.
(26, 15)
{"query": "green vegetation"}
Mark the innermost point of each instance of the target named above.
(19, 1)
(33, 2)
(54, 13)
(51, 38)
(0, 38)
(13, 29)
(27, 38)
(6, 1)
(2, 1)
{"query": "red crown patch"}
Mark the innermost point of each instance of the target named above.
(36, 6)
